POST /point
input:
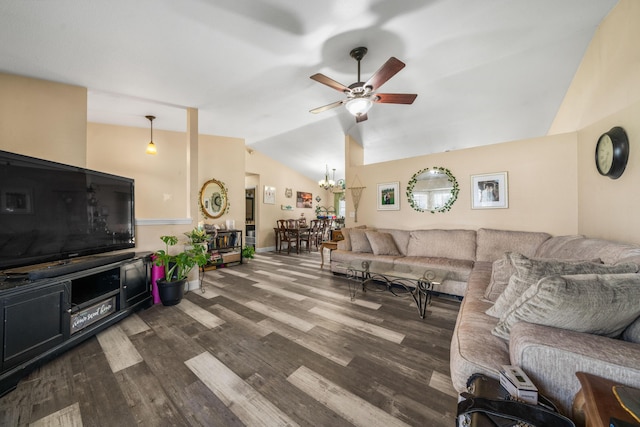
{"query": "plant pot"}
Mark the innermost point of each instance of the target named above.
(171, 293)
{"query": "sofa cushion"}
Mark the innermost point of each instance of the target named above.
(530, 271)
(632, 332)
(598, 304)
(457, 269)
(492, 244)
(382, 243)
(456, 244)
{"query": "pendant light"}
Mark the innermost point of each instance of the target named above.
(151, 147)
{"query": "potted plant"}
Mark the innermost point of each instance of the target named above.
(197, 235)
(247, 252)
(176, 269)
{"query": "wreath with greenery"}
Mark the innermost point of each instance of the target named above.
(454, 191)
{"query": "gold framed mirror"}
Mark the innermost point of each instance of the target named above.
(213, 199)
(432, 190)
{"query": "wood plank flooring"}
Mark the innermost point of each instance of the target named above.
(276, 342)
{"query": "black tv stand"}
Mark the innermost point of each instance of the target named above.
(70, 265)
(43, 317)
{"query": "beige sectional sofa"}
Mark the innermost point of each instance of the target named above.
(564, 286)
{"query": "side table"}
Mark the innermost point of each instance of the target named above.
(595, 403)
(329, 244)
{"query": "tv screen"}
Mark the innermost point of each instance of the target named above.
(50, 211)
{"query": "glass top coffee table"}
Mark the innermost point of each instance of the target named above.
(382, 276)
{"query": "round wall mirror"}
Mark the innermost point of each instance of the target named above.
(432, 190)
(213, 199)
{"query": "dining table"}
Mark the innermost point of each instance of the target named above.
(295, 231)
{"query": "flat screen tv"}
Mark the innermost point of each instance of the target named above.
(52, 212)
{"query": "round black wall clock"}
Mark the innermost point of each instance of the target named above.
(612, 153)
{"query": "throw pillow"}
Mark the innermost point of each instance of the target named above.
(632, 333)
(345, 243)
(382, 243)
(502, 270)
(530, 271)
(597, 304)
(359, 241)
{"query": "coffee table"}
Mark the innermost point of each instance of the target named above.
(383, 276)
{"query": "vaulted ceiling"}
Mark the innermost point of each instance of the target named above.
(485, 71)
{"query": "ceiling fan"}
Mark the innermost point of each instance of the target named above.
(361, 96)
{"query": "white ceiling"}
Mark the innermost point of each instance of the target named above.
(485, 71)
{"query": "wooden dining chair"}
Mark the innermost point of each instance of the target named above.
(287, 235)
(281, 229)
(316, 230)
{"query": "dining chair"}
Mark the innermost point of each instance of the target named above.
(287, 235)
(316, 230)
(305, 236)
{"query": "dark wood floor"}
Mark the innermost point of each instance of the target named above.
(274, 342)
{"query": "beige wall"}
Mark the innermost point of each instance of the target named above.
(605, 92)
(607, 80)
(542, 183)
(222, 158)
(162, 181)
(609, 208)
(43, 119)
(266, 171)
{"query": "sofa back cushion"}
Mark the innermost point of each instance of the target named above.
(492, 244)
(455, 244)
(570, 247)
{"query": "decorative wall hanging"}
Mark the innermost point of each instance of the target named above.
(432, 190)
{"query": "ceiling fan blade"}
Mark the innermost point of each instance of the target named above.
(384, 73)
(326, 107)
(395, 98)
(321, 78)
(361, 118)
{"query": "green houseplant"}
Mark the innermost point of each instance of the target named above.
(176, 269)
(248, 252)
(197, 235)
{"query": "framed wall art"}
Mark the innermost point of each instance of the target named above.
(304, 200)
(489, 191)
(389, 196)
(269, 195)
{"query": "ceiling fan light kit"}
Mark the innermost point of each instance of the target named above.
(359, 106)
(361, 96)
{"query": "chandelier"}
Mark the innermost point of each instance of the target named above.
(327, 183)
